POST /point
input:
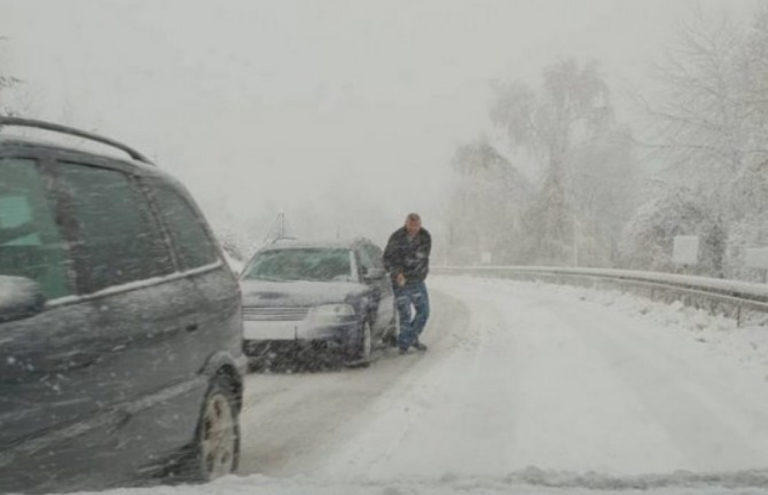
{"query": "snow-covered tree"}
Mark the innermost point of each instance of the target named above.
(7, 82)
(749, 224)
(486, 202)
(602, 187)
(710, 127)
(648, 239)
(570, 110)
(700, 117)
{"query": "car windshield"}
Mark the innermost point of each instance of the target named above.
(315, 265)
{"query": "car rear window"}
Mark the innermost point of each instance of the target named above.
(321, 265)
(193, 245)
(31, 245)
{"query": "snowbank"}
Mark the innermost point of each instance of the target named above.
(748, 345)
(529, 481)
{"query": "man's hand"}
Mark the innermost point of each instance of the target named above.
(400, 280)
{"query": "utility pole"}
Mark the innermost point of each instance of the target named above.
(278, 228)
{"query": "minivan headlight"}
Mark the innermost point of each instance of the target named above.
(333, 311)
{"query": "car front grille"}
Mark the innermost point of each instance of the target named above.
(274, 314)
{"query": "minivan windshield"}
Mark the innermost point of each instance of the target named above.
(312, 264)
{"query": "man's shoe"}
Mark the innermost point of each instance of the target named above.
(403, 351)
(419, 346)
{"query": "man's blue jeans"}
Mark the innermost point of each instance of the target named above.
(408, 298)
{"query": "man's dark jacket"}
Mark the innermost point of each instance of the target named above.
(409, 256)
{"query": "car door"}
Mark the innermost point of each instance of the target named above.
(57, 369)
(137, 344)
(37, 353)
(220, 325)
(369, 258)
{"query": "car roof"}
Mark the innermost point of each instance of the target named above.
(63, 130)
(36, 145)
(20, 143)
(121, 157)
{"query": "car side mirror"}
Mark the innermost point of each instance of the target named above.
(20, 297)
(375, 274)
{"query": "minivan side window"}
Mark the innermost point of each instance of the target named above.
(119, 240)
(193, 245)
(31, 244)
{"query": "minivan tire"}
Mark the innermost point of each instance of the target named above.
(216, 448)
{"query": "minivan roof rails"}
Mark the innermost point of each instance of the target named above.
(48, 126)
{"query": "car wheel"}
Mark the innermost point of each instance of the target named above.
(216, 450)
(365, 346)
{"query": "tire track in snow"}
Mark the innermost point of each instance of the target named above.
(709, 420)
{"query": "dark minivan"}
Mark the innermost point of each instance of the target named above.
(120, 323)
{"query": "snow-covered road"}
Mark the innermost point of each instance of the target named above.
(527, 388)
(519, 375)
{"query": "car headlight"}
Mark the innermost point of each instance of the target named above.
(333, 311)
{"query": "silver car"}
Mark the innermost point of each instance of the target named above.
(317, 297)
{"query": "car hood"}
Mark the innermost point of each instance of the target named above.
(258, 293)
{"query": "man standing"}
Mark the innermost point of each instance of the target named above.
(407, 261)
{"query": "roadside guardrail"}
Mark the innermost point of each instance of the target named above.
(744, 301)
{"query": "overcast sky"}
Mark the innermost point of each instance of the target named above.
(340, 111)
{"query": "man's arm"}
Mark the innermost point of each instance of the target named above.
(389, 253)
(428, 244)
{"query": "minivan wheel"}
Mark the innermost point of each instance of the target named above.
(216, 450)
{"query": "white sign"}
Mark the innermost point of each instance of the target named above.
(757, 258)
(485, 258)
(686, 250)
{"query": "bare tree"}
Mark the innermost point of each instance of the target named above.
(706, 122)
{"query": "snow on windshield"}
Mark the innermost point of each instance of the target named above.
(300, 264)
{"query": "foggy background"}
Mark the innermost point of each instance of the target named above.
(345, 115)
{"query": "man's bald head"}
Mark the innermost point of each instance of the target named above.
(413, 224)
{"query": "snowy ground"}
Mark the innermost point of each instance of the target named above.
(527, 388)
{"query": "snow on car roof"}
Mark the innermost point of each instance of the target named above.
(71, 145)
(320, 244)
